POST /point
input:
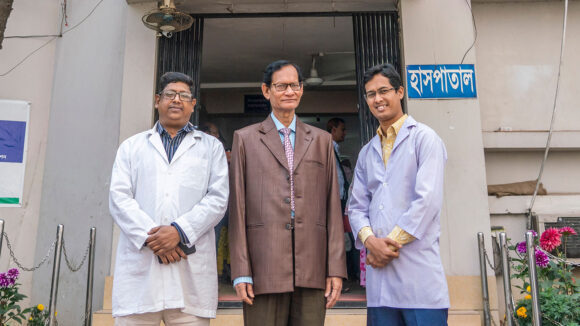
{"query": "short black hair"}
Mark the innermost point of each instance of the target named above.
(174, 77)
(277, 65)
(205, 127)
(385, 69)
(334, 123)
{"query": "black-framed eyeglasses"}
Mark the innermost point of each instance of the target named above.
(382, 91)
(184, 96)
(282, 87)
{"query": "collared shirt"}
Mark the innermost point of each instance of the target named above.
(339, 170)
(387, 143)
(171, 144)
(279, 126)
(407, 193)
(388, 140)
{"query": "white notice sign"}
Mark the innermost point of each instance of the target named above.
(14, 117)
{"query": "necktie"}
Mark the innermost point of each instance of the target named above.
(290, 156)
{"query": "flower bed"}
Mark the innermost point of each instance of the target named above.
(559, 293)
(10, 297)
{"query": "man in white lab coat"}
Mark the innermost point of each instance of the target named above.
(169, 188)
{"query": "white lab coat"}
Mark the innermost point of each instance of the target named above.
(147, 191)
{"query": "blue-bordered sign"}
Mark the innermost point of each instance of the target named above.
(14, 117)
(441, 81)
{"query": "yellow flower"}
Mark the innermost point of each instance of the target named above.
(528, 297)
(529, 289)
(522, 312)
(40, 307)
(30, 318)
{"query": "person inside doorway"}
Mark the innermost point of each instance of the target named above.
(337, 128)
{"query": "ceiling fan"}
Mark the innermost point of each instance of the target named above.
(316, 80)
(167, 20)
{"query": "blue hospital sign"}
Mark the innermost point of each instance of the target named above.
(12, 135)
(441, 81)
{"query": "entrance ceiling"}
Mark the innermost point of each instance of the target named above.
(263, 6)
(236, 50)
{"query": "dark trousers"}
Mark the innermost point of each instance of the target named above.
(303, 307)
(353, 261)
(385, 316)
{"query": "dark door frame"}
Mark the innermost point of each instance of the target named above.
(376, 38)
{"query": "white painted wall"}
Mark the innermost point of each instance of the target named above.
(426, 40)
(31, 81)
(138, 86)
(83, 136)
(518, 51)
(561, 171)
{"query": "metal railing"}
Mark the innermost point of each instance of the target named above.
(58, 245)
(506, 274)
(531, 250)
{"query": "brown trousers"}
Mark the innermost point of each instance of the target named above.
(303, 307)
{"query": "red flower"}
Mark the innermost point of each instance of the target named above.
(567, 231)
(550, 239)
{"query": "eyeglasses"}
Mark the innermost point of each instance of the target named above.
(283, 87)
(170, 95)
(382, 92)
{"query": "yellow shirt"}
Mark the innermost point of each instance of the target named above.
(387, 143)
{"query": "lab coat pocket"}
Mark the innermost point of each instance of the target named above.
(137, 261)
(194, 174)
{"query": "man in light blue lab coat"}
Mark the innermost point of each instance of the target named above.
(394, 210)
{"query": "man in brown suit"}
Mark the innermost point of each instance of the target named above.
(286, 231)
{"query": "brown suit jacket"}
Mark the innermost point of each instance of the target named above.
(260, 237)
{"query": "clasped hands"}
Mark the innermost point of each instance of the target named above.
(380, 251)
(163, 240)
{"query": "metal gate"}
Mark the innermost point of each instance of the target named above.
(376, 41)
(182, 53)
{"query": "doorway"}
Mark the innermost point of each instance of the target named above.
(226, 57)
(235, 53)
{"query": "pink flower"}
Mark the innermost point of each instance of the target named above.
(13, 273)
(521, 247)
(542, 259)
(5, 281)
(550, 239)
(567, 231)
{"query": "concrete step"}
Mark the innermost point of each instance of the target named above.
(334, 317)
(464, 311)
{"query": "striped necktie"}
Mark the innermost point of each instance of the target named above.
(290, 156)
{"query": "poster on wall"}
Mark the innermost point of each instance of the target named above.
(441, 81)
(14, 117)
